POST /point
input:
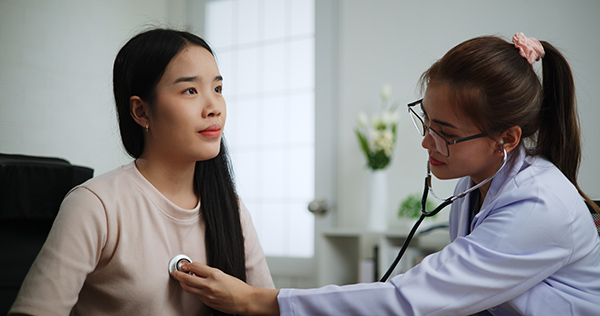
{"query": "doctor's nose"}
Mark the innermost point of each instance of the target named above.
(428, 142)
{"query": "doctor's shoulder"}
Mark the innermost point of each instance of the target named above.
(541, 177)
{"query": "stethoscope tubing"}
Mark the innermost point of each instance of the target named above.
(424, 212)
(411, 234)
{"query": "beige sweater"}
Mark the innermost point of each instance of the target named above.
(109, 249)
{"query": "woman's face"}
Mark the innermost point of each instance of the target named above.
(187, 119)
(476, 158)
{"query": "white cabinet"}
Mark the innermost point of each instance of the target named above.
(353, 255)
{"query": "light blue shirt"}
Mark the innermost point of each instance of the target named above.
(533, 250)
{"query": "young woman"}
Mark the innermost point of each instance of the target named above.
(109, 250)
(523, 243)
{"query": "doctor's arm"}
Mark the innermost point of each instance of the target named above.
(226, 293)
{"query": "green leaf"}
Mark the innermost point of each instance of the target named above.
(411, 206)
(379, 160)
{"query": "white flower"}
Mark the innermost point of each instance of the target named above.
(373, 137)
(362, 119)
(387, 118)
(388, 136)
(386, 92)
(375, 119)
(384, 141)
(377, 134)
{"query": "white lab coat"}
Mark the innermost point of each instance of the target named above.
(533, 250)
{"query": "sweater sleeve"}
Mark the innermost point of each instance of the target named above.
(71, 251)
(257, 271)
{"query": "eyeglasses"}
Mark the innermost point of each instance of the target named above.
(441, 144)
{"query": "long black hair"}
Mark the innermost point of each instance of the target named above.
(138, 67)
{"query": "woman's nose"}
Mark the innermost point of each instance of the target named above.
(428, 141)
(212, 111)
(212, 107)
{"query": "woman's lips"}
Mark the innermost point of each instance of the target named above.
(212, 131)
(435, 162)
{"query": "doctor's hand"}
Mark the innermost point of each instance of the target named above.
(226, 293)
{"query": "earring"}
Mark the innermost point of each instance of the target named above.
(501, 145)
(147, 128)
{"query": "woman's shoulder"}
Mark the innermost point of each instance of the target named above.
(245, 215)
(107, 184)
(110, 179)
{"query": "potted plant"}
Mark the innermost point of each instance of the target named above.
(377, 136)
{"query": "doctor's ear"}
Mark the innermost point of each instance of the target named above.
(139, 111)
(510, 139)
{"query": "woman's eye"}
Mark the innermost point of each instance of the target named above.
(219, 89)
(191, 91)
(446, 135)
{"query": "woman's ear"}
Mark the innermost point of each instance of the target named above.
(139, 111)
(510, 139)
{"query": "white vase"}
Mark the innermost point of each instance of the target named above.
(378, 200)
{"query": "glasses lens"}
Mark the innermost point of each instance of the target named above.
(440, 144)
(417, 122)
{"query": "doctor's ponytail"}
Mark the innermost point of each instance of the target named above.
(559, 137)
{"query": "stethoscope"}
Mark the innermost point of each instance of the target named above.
(176, 262)
(424, 212)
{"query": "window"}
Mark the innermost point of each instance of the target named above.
(265, 51)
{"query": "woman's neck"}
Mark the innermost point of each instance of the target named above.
(174, 180)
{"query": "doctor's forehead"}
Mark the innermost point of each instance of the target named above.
(442, 109)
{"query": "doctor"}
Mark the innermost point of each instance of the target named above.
(522, 244)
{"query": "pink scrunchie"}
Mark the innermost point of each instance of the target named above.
(530, 48)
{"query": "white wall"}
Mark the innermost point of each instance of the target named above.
(385, 41)
(56, 74)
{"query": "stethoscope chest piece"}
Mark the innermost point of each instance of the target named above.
(175, 263)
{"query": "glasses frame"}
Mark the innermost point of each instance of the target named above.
(432, 131)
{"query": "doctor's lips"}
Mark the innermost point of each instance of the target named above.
(211, 131)
(435, 162)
